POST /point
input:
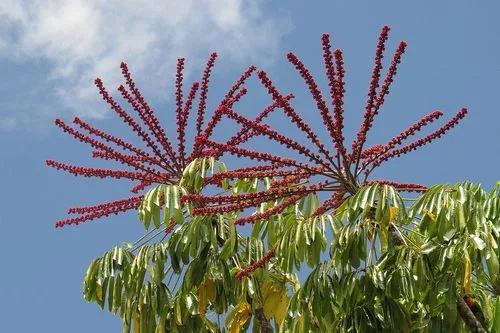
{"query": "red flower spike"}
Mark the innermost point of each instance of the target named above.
(256, 265)
(102, 173)
(294, 117)
(277, 209)
(316, 94)
(99, 145)
(105, 206)
(126, 117)
(146, 113)
(120, 143)
(182, 122)
(291, 179)
(97, 214)
(273, 135)
(239, 83)
(406, 187)
(255, 155)
(245, 133)
(357, 145)
(217, 178)
(178, 89)
(398, 139)
(332, 203)
(141, 186)
(204, 91)
(338, 101)
(223, 204)
(151, 122)
(422, 142)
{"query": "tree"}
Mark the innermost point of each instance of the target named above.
(378, 261)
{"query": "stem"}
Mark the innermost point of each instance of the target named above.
(265, 326)
(468, 317)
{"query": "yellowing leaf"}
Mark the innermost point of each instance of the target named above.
(393, 212)
(270, 304)
(161, 326)
(280, 312)
(466, 283)
(430, 215)
(206, 290)
(202, 299)
(384, 239)
(238, 317)
(274, 301)
(210, 285)
(98, 292)
(137, 326)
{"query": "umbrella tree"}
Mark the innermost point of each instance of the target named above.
(378, 261)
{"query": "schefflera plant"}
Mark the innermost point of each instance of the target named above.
(204, 272)
(196, 271)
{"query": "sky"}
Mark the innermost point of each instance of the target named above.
(50, 52)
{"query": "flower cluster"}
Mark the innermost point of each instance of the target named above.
(170, 226)
(256, 265)
(313, 166)
(425, 140)
(158, 162)
(317, 166)
(218, 204)
(407, 187)
(93, 212)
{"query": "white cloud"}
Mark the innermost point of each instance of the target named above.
(82, 39)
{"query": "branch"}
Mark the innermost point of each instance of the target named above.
(468, 317)
(265, 326)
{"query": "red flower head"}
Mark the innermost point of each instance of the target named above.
(159, 161)
(330, 167)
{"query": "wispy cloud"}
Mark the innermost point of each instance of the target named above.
(82, 39)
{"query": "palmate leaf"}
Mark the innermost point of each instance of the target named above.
(137, 292)
(300, 240)
(294, 234)
(117, 278)
(274, 299)
(162, 204)
(103, 279)
(372, 201)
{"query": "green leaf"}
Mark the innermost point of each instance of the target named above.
(480, 244)
(496, 314)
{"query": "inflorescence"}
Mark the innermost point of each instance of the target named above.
(319, 167)
(336, 168)
(158, 162)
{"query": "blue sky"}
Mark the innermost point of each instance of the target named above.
(49, 55)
